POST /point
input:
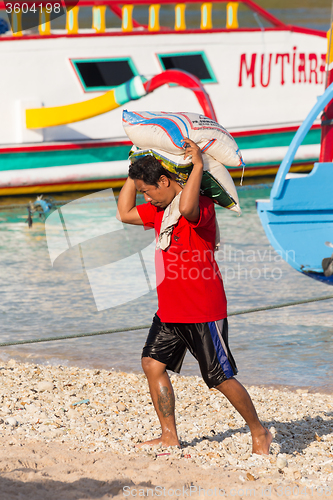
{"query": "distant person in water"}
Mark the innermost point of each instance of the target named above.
(192, 307)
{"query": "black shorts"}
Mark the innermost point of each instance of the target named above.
(207, 342)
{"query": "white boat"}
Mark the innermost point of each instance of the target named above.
(61, 84)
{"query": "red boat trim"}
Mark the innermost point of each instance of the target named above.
(269, 131)
(307, 31)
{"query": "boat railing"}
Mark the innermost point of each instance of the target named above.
(50, 10)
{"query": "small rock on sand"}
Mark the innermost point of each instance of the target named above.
(45, 386)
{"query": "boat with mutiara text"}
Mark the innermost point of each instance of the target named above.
(64, 87)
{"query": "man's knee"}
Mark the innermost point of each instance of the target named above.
(152, 367)
(225, 385)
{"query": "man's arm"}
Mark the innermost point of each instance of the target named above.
(127, 211)
(189, 200)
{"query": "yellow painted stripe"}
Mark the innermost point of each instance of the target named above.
(262, 171)
(63, 115)
(44, 26)
(98, 14)
(206, 16)
(77, 186)
(127, 20)
(180, 23)
(153, 17)
(231, 205)
(232, 19)
(72, 20)
(329, 55)
(17, 23)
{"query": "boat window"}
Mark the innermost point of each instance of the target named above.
(192, 62)
(103, 74)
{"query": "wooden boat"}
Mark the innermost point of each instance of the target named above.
(298, 217)
(64, 86)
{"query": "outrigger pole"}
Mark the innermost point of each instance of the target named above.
(134, 89)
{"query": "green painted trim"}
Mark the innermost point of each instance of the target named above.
(212, 78)
(275, 139)
(101, 59)
(42, 159)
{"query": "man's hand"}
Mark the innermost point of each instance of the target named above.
(127, 211)
(193, 150)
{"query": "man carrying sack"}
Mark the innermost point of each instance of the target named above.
(192, 312)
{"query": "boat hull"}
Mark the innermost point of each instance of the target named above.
(299, 225)
(94, 165)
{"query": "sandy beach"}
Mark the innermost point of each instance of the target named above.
(70, 433)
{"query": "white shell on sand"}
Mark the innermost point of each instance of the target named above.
(11, 421)
(44, 386)
(281, 462)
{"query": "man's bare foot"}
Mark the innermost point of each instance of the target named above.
(162, 440)
(261, 442)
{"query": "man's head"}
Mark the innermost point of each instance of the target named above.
(154, 181)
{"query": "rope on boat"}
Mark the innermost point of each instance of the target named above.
(143, 327)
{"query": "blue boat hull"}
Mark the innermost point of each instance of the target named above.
(299, 223)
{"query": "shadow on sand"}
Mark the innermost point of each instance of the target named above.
(49, 489)
(293, 437)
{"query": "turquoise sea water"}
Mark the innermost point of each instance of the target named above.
(290, 346)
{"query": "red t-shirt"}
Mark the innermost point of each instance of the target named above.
(192, 288)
